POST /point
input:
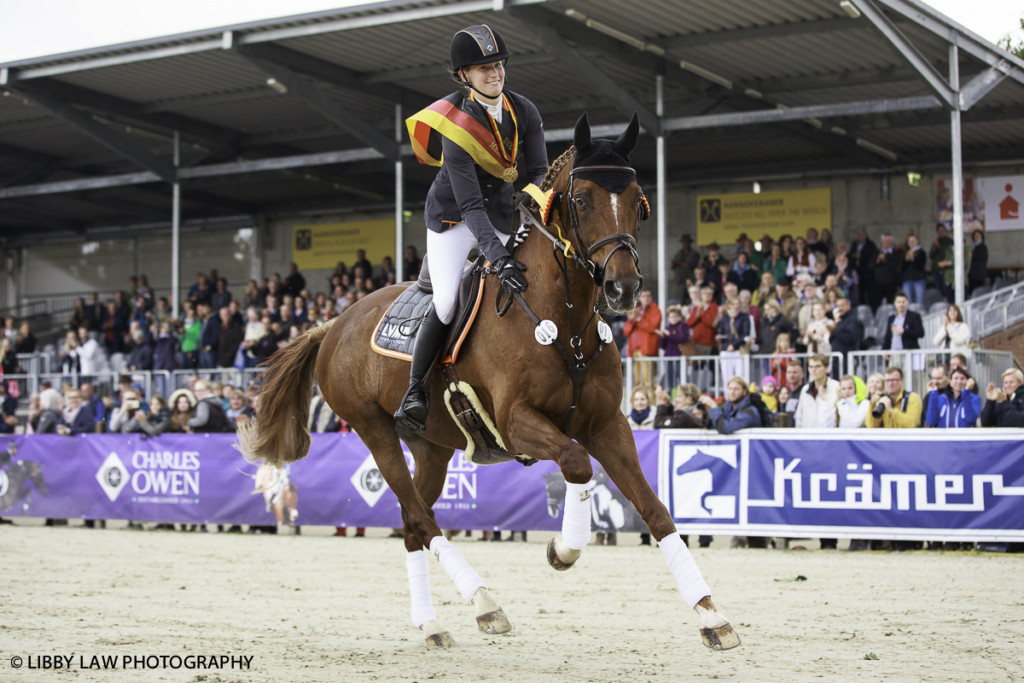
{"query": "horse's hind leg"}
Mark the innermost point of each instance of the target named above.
(429, 480)
(613, 447)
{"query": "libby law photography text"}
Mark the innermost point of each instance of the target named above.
(85, 662)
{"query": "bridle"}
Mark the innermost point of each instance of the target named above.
(575, 362)
(621, 240)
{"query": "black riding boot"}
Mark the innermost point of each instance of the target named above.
(412, 414)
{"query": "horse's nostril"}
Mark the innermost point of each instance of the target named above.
(612, 290)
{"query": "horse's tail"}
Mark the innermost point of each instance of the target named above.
(279, 432)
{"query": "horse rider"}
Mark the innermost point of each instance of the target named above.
(484, 138)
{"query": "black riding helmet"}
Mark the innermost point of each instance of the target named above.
(476, 45)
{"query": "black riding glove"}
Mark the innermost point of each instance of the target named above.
(512, 280)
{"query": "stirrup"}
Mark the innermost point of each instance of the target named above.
(406, 424)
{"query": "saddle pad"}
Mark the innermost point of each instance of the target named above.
(396, 330)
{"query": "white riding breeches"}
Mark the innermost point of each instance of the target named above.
(447, 257)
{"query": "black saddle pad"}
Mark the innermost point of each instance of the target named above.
(396, 331)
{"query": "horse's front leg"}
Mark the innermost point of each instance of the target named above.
(533, 434)
(613, 446)
(429, 481)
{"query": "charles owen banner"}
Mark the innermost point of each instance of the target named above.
(722, 217)
(323, 245)
(202, 478)
(915, 484)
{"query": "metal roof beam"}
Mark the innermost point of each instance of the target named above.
(982, 84)
(920, 119)
(325, 71)
(586, 69)
(931, 20)
(110, 104)
(820, 111)
(37, 218)
(99, 132)
(319, 101)
(734, 35)
(923, 67)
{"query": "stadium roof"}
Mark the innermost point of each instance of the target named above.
(293, 116)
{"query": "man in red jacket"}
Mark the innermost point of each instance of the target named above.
(641, 328)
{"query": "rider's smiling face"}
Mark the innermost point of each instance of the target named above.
(488, 79)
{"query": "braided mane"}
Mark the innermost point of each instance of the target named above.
(556, 168)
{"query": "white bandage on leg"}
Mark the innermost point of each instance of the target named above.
(576, 516)
(419, 587)
(688, 577)
(466, 580)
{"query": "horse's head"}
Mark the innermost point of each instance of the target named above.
(605, 206)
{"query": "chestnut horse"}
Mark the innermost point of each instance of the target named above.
(526, 388)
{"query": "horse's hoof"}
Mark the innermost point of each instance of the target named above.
(564, 562)
(494, 622)
(437, 637)
(720, 638)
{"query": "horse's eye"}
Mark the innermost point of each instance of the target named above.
(581, 201)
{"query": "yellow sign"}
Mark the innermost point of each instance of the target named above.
(722, 217)
(319, 247)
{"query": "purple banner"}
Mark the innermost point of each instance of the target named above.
(202, 478)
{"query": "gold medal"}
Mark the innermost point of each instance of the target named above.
(510, 174)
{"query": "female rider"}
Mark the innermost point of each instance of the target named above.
(478, 138)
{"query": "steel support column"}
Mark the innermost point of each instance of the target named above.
(958, 177)
(399, 201)
(659, 112)
(176, 230)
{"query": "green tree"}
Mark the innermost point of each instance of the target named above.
(1016, 49)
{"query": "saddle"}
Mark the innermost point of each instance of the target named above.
(395, 336)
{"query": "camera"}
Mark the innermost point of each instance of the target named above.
(132, 404)
(878, 411)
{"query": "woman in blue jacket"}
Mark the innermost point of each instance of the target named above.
(954, 406)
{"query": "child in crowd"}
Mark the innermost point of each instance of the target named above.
(780, 359)
(769, 386)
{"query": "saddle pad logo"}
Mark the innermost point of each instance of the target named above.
(369, 482)
(112, 476)
(704, 482)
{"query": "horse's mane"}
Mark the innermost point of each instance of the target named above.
(556, 168)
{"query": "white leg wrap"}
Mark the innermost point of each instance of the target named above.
(688, 577)
(576, 516)
(419, 588)
(467, 581)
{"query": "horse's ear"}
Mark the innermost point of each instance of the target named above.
(627, 141)
(581, 137)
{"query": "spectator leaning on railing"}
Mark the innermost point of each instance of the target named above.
(1005, 408)
(896, 408)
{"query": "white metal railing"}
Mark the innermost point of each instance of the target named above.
(995, 311)
(706, 371)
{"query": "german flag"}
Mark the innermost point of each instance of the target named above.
(445, 119)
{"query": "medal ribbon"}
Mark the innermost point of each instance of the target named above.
(509, 161)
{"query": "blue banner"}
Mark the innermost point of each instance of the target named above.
(925, 484)
(922, 484)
